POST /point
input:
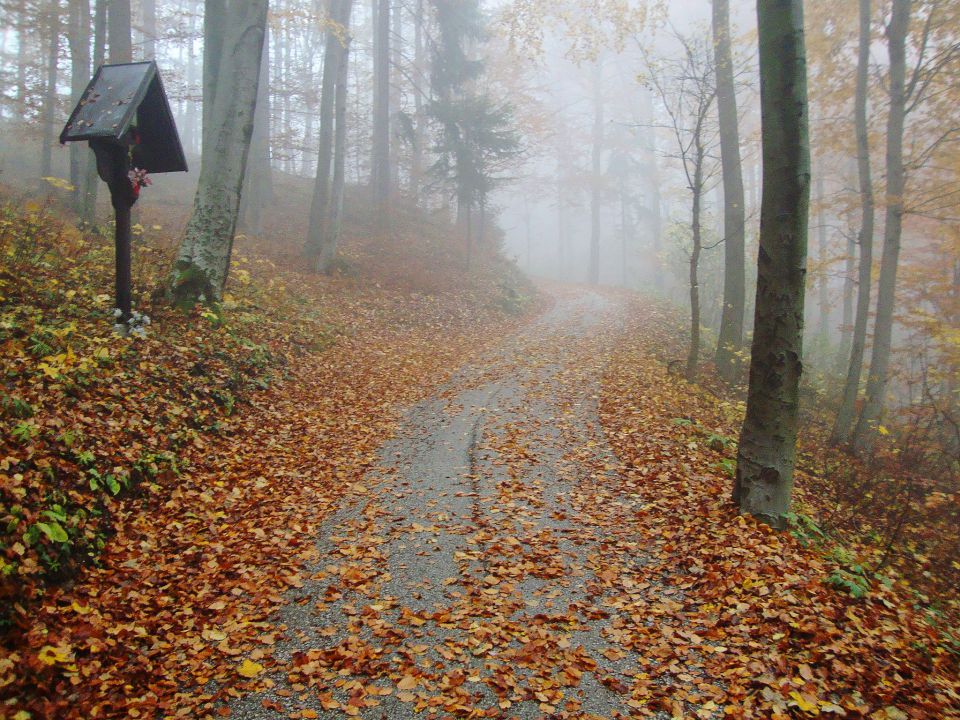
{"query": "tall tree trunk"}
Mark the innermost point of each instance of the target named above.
(823, 295)
(214, 29)
(118, 31)
(381, 116)
(865, 430)
(79, 40)
(339, 157)
(766, 452)
(258, 184)
(149, 9)
(204, 256)
(419, 120)
(595, 179)
(50, 95)
(730, 339)
(846, 330)
(320, 201)
(91, 182)
(693, 354)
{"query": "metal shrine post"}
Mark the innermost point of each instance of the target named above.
(126, 119)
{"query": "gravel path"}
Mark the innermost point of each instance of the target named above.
(465, 576)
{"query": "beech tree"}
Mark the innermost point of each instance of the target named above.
(730, 339)
(203, 260)
(767, 447)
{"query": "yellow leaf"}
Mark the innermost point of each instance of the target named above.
(249, 669)
(77, 607)
(801, 702)
(882, 430)
(22, 715)
(50, 655)
(214, 634)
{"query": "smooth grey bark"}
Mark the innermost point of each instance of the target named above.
(380, 178)
(320, 201)
(91, 181)
(214, 27)
(767, 447)
(258, 180)
(596, 178)
(320, 242)
(149, 9)
(419, 116)
(730, 339)
(50, 94)
(78, 39)
(864, 433)
(203, 260)
(339, 156)
(118, 31)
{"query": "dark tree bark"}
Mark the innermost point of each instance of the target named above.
(340, 155)
(730, 340)
(693, 354)
(865, 431)
(766, 452)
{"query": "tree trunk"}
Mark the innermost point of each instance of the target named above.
(204, 256)
(419, 120)
(319, 205)
(595, 179)
(214, 28)
(693, 354)
(79, 40)
(50, 95)
(381, 116)
(340, 155)
(730, 339)
(118, 31)
(258, 185)
(149, 8)
(91, 182)
(823, 295)
(865, 430)
(846, 330)
(766, 453)
(851, 388)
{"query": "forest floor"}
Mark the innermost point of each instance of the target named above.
(435, 509)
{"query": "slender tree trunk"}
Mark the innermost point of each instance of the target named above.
(79, 40)
(204, 256)
(865, 430)
(91, 183)
(149, 8)
(595, 180)
(846, 331)
(340, 156)
(319, 205)
(381, 116)
(118, 31)
(823, 295)
(50, 95)
(332, 208)
(693, 354)
(767, 447)
(730, 339)
(258, 185)
(419, 120)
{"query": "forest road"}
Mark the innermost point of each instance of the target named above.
(467, 575)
